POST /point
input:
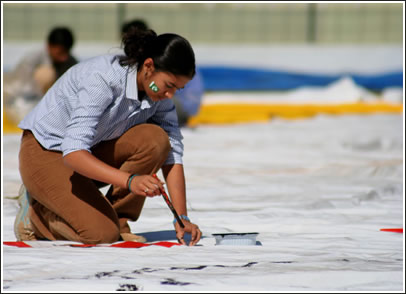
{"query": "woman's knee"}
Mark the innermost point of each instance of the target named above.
(160, 140)
(154, 140)
(106, 233)
(142, 145)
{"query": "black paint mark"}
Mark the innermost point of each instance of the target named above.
(189, 268)
(249, 264)
(145, 269)
(200, 267)
(106, 274)
(127, 287)
(149, 270)
(196, 268)
(282, 261)
(174, 282)
(344, 259)
(112, 274)
(128, 276)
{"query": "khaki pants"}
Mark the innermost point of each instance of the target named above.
(65, 205)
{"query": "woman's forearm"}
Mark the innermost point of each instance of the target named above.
(90, 166)
(175, 179)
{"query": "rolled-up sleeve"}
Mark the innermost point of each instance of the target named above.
(166, 118)
(94, 95)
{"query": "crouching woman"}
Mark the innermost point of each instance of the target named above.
(108, 120)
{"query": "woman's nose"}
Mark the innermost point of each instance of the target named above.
(169, 94)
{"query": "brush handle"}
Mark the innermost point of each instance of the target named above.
(168, 202)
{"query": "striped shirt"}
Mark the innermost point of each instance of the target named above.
(94, 101)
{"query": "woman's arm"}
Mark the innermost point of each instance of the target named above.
(90, 166)
(175, 179)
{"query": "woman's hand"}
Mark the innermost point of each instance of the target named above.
(146, 185)
(190, 228)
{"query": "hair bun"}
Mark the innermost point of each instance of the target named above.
(135, 42)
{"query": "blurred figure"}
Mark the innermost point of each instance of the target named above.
(187, 100)
(24, 87)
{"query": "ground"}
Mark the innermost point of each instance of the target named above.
(317, 190)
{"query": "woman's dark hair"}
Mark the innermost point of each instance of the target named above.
(170, 52)
(61, 36)
(139, 23)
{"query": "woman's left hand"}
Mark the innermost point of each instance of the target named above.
(190, 228)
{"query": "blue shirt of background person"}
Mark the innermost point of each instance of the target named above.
(188, 99)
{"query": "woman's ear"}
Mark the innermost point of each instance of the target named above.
(149, 65)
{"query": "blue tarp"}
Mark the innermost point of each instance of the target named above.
(222, 78)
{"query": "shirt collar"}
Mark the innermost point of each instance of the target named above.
(131, 87)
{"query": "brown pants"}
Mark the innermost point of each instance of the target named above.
(65, 205)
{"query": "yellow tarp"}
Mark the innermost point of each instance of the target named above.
(239, 112)
(9, 126)
(235, 113)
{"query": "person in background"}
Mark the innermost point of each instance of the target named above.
(187, 100)
(24, 86)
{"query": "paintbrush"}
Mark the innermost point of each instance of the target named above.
(165, 196)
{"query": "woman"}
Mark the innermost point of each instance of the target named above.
(107, 120)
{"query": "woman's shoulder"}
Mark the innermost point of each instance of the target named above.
(101, 60)
(107, 64)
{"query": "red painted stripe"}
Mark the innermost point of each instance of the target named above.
(129, 244)
(17, 244)
(126, 244)
(400, 230)
(166, 244)
(82, 245)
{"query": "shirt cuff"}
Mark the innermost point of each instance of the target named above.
(68, 147)
(173, 158)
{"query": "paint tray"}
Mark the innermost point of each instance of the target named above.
(236, 238)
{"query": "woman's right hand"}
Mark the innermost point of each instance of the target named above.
(146, 185)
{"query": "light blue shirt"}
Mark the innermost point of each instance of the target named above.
(94, 101)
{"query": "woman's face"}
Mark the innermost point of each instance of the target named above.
(160, 85)
(166, 84)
